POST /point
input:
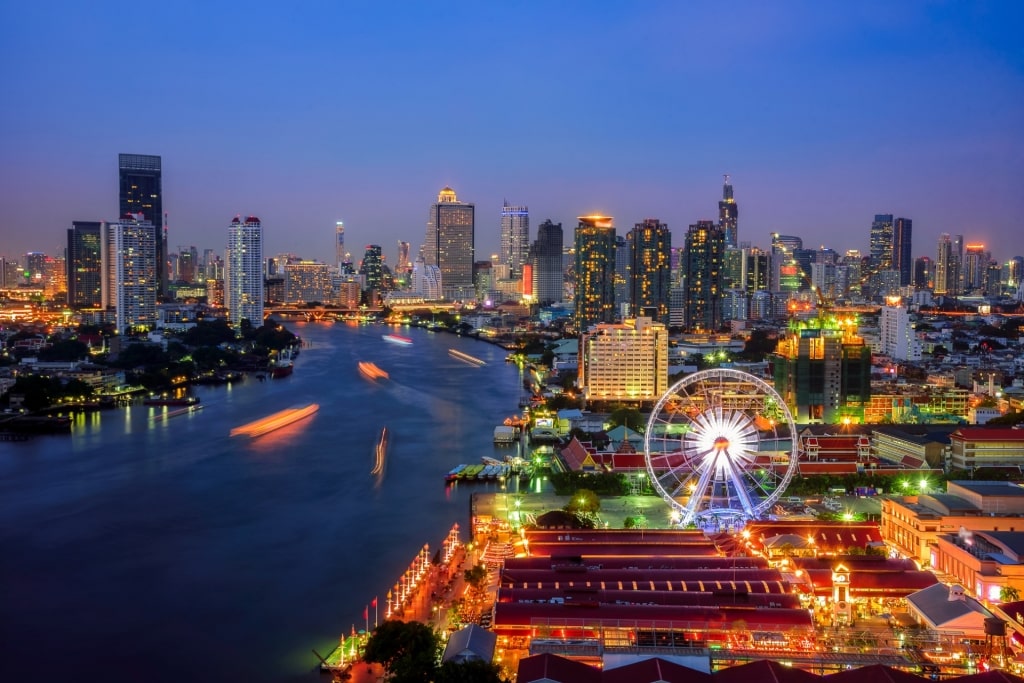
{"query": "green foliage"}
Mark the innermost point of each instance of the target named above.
(141, 355)
(65, 350)
(602, 483)
(272, 336)
(585, 502)
(473, 671)
(42, 392)
(1008, 594)
(627, 416)
(209, 333)
(476, 577)
(562, 402)
(407, 650)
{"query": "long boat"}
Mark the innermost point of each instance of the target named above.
(397, 339)
(453, 474)
(271, 423)
(465, 357)
(471, 472)
(371, 371)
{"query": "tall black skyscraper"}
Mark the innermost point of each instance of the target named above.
(546, 258)
(140, 192)
(881, 243)
(595, 271)
(702, 273)
(650, 251)
(85, 265)
(728, 216)
(901, 258)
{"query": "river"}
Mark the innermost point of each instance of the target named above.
(167, 550)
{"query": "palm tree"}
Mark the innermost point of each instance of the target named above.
(1009, 594)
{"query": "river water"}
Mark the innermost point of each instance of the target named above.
(142, 550)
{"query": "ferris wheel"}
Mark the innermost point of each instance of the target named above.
(720, 447)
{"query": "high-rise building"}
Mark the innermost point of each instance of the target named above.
(728, 216)
(594, 268)
(307, 282)
(373, 267)
(944, 267)
(650, 252)
(756, 271)
(243, 272)
(449, 244)
(624, 362)
(822, 371)
(130, 249)
(546, 257)
(898, 338)
(975, 268)
(902, 258)
(881, 255)
(141, 191)
(623, 276)
(85, 265)
(339, 243)
(786, 273)
(924, 272)
(702, 276)
(515, 238)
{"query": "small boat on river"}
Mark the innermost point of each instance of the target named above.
(397, 339)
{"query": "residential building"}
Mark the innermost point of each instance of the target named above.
(881, 252)
(131, 271)
(594, 269)
(372, 267)
(307, 282)
(515, 237)
(650, 247)
(899, 341)
(243, 271)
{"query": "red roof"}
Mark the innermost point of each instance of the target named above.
(654, 669)
(763, 671)
(547, 667)
(982, 434)
(666, 549)
(893, 584)
(874, 673)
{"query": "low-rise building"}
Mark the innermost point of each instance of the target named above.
(974, 447)
(984, 562)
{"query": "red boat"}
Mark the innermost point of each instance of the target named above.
(282, 368)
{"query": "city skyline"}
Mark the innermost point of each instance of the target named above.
(831, 115)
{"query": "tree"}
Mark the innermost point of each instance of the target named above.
(628, 417)
(585, 502)
(472, 671)
(66, 350)
(408, 650)
(1008, 594)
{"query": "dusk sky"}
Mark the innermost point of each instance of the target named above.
(306, 113)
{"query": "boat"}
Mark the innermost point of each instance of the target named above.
(465, 357)
(371, 371)
(397, 339)
(270, 423)
(471, 472)
(175, 413)
(170, 401)
(453, 474)
(281, 368)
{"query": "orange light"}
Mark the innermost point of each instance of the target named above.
(276, 421)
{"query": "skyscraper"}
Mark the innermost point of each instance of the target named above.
(449, 244)
(140, 183)
(924, 272)
(785, 270)
(339, 243)
(373, 266)
(595, 271)
(85, 265)
(902, 258)
(515, 238)
(881, 243)
(975, 269)
(650, 252)
(131, 252)
(702, 273)
(546, 257)
(728, 216)
(243, 272)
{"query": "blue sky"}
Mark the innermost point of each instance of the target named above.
(311, 112)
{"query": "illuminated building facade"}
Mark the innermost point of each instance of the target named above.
(624, 362)
(546, 257)
(85, 265)
(131, 249)
(822, 369)
(899, 341)
(140, 182)
(924, 271)
(449, 244)
(702, 273)
(339, 243)
(306, 282)
(728, 216)
(243, 271)
(594, 268)
(650, 249)
(373, 267)
(786, 273)
(881, 254)
(975, 269)
(515, 238)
